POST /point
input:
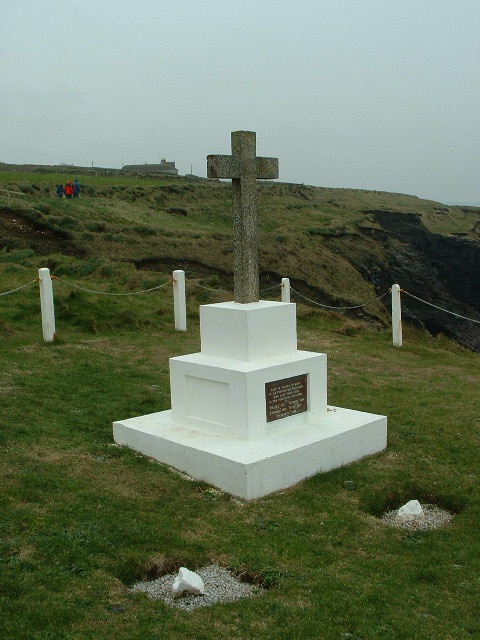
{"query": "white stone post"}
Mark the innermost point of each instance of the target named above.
(46, 304)
(285, 289)
(179, 302)
(396, 316)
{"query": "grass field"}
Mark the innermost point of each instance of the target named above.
(81, 519)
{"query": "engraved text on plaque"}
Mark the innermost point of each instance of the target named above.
(286, 397)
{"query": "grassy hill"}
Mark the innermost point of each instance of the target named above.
(342, 247)
(82, 519)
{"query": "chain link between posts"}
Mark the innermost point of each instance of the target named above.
(202, 286)
(274, 286)
(430, 304)
(106, 293)
(328, 306)
(23, 286)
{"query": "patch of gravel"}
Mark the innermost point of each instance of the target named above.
(220, 586)
(433, 517)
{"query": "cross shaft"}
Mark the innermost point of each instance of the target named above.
(244, 168)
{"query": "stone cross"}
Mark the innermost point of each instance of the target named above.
(244, 168)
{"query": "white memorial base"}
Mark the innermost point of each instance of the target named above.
(249, 412)
(254, 469)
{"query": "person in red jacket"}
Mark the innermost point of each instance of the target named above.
(68, 190)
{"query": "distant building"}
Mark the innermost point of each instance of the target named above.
(164, 168)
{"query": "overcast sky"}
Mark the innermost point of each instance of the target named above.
(375, 94)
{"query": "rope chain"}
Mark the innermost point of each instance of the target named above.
(430, 304)
(106, 293)
(274, 286)
(327, 306)
(23, 286)
(196, 284)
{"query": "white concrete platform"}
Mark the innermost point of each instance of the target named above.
(254, 468)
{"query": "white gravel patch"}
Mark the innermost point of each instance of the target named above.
(220, 586)
(433, 517)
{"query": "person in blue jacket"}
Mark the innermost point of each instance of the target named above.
(59, 191)
(76, 188)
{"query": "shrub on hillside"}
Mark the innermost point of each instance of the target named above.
(211, 281)
(95, 314)
(352, 327)
(32, 215)
(43, 207)
(67, 222)
(26, 188)
(52, 224)
(159, 200)
(177, 189)
(10, 243)
(327, 231)
(122, 238)
(97, 226)
(20, 257)
(145, 231)
(333, 202)
(201, 296)
(122, 271)
(14, 268)
(79, 268)
(88, 190)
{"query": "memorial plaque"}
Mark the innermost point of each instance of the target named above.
(286, 397)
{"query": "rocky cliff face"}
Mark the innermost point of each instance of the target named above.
(444, 270)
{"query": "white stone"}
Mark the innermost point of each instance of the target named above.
(218, 429)
(412, 510)
(188, 581)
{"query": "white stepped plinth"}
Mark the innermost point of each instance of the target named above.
(249, 412)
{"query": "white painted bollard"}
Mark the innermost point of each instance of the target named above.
(46, 304)
(179, 302)
(285, 289)
(396, 316)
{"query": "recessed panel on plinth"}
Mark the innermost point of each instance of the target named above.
(286, 397)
